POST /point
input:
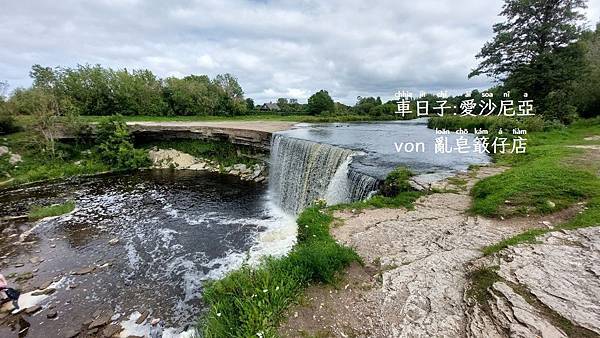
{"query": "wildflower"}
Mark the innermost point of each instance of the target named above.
(260, 334)
(218, 314)
(265, 290)
(277, 288)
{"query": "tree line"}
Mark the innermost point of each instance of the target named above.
(95, 90)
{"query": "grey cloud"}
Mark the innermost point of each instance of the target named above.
(275, 48)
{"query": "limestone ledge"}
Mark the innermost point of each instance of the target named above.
(171, 158)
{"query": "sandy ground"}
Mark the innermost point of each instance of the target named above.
(266, 126)
(416, 269)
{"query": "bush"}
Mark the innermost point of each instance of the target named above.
(115, 147)
(396, 182)
(7, 124)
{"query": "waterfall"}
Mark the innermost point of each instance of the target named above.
(303, 171)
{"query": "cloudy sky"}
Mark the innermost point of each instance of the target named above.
(288, 48)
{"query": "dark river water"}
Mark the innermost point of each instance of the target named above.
(174, 230)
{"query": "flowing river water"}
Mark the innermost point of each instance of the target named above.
(147, 241)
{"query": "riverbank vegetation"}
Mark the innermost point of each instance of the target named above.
(250, 301)
(39, 212)
(551, 176)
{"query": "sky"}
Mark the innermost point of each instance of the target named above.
(288, 48)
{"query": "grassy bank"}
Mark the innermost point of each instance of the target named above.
(551, 176)
(36, 165)
(39, 212)
(250, 301)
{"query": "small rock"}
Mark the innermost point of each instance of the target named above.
(100, 321)
(83, 271)
(93, 331)
(51, 314)
(113, 241)
(142, 317)
(33, 309)
(111, 330)
(45, 285)
(550, 204)
(19, 265)
(47, 291)
(259, 179)
(3, 150)
(71, 334)
(35, 260)
(14, 159)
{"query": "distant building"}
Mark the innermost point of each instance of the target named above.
(270, 107)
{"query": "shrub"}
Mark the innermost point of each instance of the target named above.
(396, 182)
(115, 147)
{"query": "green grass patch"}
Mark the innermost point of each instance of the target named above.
(549, 177)
(455, 122)
(71, 160)
(481, 280)
(39, 212)
(251, 301)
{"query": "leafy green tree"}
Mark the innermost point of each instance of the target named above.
(586, 89)
(115, 147)
(320, 102)
(250, 104)
(532, 50)
(137, 93)
(192, 95)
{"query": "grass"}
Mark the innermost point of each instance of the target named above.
(548, 178)
(250, 301)
(589, 217)
(455, 122)
(225, 153)
(481, 280)
(39, 212)
(549, 172)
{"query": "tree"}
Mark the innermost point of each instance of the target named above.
(586, 89)
(320, 102)
(532, 50)
(250, 104)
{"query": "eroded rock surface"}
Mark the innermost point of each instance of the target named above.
(562, 272)
(424, 257)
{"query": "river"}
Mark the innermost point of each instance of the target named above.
(147, 241)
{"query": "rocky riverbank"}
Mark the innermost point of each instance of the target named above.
(171, 158)
(419, 263)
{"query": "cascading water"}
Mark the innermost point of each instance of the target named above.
(303, 171)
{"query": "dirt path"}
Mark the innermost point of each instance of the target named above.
(416, 273)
